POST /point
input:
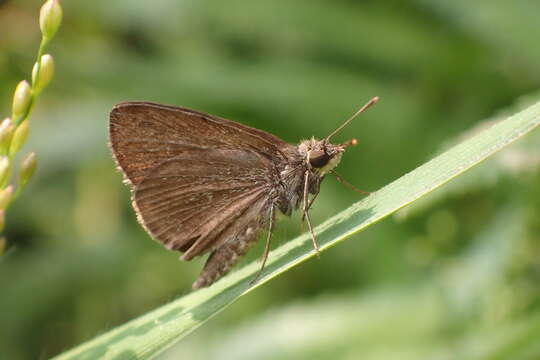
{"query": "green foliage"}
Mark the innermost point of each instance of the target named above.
(454, 275)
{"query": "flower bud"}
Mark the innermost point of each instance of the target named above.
(19, 137)
(2, 245)
(6, 133)
(5, 197)
(2, 220)
(5, 167)
(28, 167)
(42, 78)
(21, 100)
(50, 17)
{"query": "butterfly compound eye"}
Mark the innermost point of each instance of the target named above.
(318, 158)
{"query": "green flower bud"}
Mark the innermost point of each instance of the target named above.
(28, 167)
(2, 220)
(2, 245)
(5, 197)
(21, 100)
(46, 72)
(19, 137)
(5, 167)
(6, 133)
(50, 17)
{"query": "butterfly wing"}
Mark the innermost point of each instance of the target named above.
(144, 134)
(198, 181)
(201, 199)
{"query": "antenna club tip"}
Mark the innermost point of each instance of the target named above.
(375, 99)
(352, 142)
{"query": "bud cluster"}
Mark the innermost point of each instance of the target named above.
(14, 129)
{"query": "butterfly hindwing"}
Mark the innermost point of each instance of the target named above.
(191, 202)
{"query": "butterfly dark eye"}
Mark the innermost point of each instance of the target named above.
(318, 158)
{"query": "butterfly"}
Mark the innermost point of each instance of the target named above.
(202, 184)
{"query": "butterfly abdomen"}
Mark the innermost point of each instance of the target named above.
(225, 257)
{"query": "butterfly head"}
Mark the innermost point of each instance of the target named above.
(322, 156)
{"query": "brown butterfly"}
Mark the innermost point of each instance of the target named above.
(205, 185)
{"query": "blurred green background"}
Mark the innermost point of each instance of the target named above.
(455, 276)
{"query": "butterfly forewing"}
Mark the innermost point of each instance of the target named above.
(144, 135)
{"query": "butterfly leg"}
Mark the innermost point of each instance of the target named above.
(266, 246)
(305, 213)
(308, 207)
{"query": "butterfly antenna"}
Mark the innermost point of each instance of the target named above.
(361, 110)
